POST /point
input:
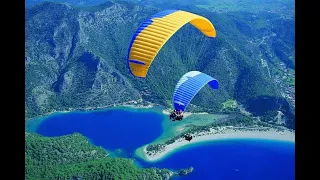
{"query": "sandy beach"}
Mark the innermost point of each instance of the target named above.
(227, 133)
(139, 106)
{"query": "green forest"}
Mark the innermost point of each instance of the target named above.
(73, 157)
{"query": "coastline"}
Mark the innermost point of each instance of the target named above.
(31, 124)
(223, 133)
(215, 134)
(135, 104)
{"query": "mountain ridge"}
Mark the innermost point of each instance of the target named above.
(75, 58)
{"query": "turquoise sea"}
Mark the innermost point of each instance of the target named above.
(127, 129)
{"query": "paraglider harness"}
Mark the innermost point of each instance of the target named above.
(188, 137)
(176, 115)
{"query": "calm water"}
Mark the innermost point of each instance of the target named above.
(111, 129)
(128, 130)
(234, 159)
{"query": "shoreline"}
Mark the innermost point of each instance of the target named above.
(225, 133)
(136, 105)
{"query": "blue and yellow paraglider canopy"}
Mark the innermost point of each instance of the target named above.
(188, 86)
(154, 32)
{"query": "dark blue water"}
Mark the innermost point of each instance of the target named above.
(111, 129)
(227, 159)
(234, 159)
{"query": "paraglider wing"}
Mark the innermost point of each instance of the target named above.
(154, 32)
(188, 86)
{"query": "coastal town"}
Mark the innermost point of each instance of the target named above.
(285, 81)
